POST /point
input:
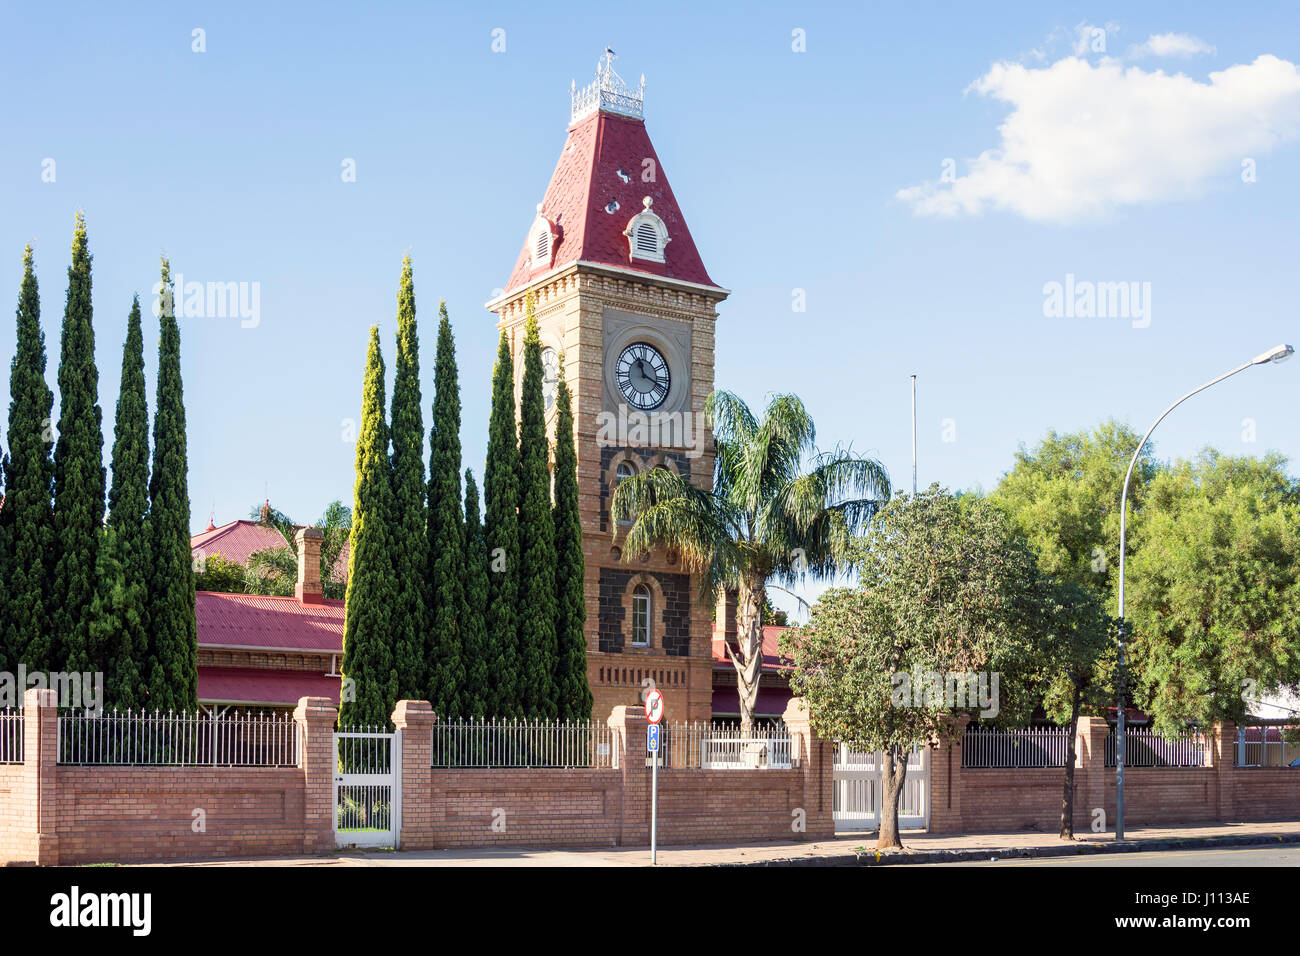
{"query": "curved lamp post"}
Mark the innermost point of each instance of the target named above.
(1274, 355)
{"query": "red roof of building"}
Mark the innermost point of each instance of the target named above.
(256, 620)
(602, 163)
(772, 659)
(239, 539)
(244, 685)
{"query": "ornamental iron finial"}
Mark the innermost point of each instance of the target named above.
(607, 92)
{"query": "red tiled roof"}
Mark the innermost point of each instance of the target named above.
(238, 540)
(242, 685)
(586, 179)
(255, 620)
(772, 660)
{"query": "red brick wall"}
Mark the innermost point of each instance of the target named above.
(990, 800)
(147, 813)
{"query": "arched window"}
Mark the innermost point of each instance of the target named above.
(624, 471)
(647, 234)
(641, 616)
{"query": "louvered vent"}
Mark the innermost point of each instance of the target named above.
(542, 249)
(647, 239)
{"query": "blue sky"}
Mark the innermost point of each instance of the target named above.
(819, 171)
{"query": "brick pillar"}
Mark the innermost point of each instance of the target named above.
(1222, 756)
(945, 779)
(414, 722)
(1091, 777)
(628, 724)
(316, 717)
(308, 590)
(40, 760)
(816, 765)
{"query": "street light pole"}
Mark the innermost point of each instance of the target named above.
(1274, 355)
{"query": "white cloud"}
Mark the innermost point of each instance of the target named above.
(1170, 44)
(1084, 139)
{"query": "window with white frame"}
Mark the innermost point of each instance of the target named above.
(641, 605)
(624, 471)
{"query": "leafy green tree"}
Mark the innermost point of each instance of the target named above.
(501, 494)
(1214, 590)
(119, 613)
(946, 588)
(1064, 498)
(78, 467)
(410, 559)
(446, 535)
(765, 519)
(370, 683)
(26, 520)
(537, 558)
(570, 568)
(216, 572)
(478, 675)
(171, 668)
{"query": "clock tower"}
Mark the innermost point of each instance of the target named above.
(623, 301)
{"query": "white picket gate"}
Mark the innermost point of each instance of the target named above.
(857, 791)
(367, 795)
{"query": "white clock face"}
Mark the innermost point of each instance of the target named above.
(642, 376)
(550, 376)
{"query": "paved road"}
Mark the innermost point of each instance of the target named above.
(1227, 856)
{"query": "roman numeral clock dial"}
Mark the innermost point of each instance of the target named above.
(642, 376)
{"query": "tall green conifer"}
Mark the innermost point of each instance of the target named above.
(410, 514)
(370, 678)
(501, 496)
(26, 517)
(171, 668)
(570, 568)
(478, 683)
(446, 534)
(537, 600)
(78, 467)
(119, 620)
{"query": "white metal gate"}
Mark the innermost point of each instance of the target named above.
(367, 796)
(858, 790)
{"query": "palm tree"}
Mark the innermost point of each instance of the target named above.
(767, 518)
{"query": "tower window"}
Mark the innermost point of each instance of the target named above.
(647, 235)
(624, 471)
(641, 616)
(542, 239)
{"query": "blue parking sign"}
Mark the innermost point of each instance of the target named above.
(652, 738)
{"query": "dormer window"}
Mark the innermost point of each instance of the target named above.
(541, 241)
(647, 236)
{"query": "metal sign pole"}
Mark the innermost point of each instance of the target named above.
(654, 809)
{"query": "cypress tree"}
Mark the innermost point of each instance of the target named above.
(537, 601)
(171, 668)
(478, 686)
(119, 619)
(570, 568)
(78, 467)
(370, 677)
(26, 518)
(501, 494)
(446, 533)
(409, 542)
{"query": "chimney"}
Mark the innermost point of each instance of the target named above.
(724, 623)
(308, 589)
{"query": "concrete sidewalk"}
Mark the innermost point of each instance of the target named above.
(852, 849)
